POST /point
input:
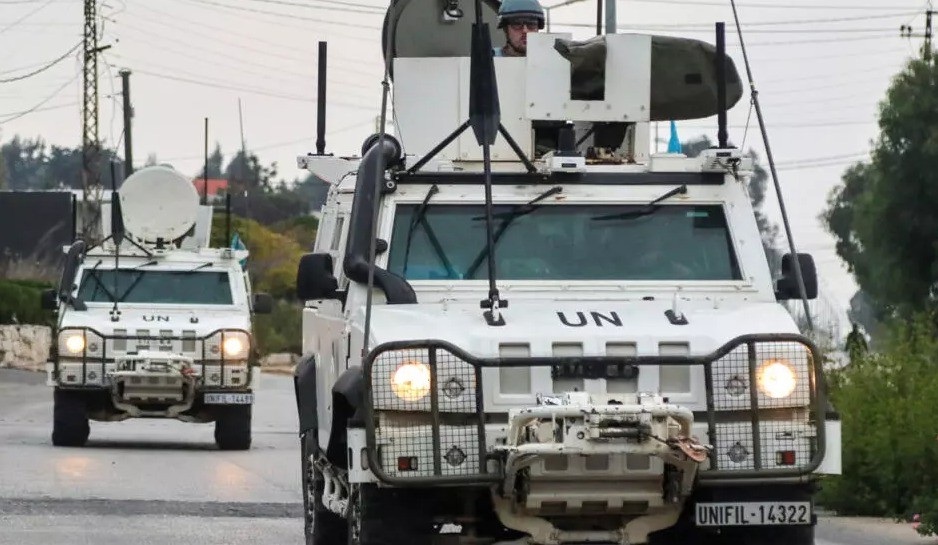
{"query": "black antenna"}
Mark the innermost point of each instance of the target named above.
(321, 103)
(722, 133)
(485, 120)
(373, 236)
(117, 234)
(778, 190)
(205, 170)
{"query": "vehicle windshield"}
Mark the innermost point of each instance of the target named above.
(565, 242)
(159, 287)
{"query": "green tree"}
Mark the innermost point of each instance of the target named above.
(3, 173)
(883, 213)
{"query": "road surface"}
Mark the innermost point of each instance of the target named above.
(152, 482)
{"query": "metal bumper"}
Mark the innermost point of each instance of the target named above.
(445, 428)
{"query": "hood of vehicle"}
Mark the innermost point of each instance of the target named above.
(545, 325)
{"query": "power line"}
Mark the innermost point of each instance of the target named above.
(23, 18)
(175, 70)
(276, 145)
(39, 105)
(276, 14)
(774, 5)
(45, 109)
(332, 2)
(240, 44)
(280, 22)
(256, 91)
(43, 68)
(201, 25)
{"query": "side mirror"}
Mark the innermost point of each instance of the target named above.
(314, 278)
(263, 303)
(787, 286)
(49, 299)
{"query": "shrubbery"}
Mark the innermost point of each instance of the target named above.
(275, 255)
(20, 302)
(887, 402)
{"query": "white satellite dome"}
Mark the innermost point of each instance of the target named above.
(158, 203)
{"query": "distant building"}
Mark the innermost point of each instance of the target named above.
(214, 188)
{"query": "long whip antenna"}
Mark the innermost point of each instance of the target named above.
(778, 190)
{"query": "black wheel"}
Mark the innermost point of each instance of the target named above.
(321, 526)
(389, 516)
(233, 427)
(69, 419)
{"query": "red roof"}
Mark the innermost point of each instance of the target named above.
(215, 185)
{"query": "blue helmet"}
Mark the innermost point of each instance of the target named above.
(520, 9)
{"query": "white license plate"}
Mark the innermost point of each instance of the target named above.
(753, 513)
(229, 399)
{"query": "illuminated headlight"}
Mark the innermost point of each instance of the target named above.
(776, 379)
(232, 345)
(74, 343)
(411, 381)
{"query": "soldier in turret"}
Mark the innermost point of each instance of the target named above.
(518, 18)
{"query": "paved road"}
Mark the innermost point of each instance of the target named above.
(153, 482)
(159, 481)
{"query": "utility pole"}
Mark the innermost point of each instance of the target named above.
(128, 116)
(90, 145)
(906, 32)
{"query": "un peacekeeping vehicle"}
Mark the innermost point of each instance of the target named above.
(523, 326)
(153, 322)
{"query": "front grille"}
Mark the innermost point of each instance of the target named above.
(414, 421)
(102, 351)
(431, 418)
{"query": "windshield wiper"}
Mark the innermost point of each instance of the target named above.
(202, 266)
(507, 219)
(142, 265)
(93, 273)
(645, 209)
(420, 218)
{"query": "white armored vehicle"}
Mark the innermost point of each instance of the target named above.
(630, 375)
(153, 322)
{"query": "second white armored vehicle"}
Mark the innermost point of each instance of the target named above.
(154, 322)
(629, 376)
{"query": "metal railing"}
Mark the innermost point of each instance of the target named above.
(437, 434)
(103, 358)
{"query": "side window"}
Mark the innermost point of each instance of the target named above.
(337, 233)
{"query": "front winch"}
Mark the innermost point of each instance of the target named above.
(582, 426)
(154, 378)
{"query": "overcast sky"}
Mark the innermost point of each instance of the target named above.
(820, 67)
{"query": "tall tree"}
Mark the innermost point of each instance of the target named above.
(3, 173)
(883, 214)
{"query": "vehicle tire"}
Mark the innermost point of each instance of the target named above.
(69, 419)
(779, 535)
(233, 427)
(320, 526)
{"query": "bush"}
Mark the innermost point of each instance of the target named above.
(20, 302)
(274, 257)
(281, 330)
(887, 403)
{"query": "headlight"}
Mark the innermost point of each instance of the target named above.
(411, 381)
(75, 343)
(776, 379)
(233, 347)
